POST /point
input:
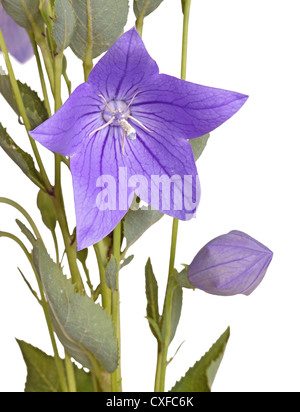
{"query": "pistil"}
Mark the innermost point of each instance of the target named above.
(118, 116)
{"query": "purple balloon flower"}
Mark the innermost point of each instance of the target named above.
(231, 264)
(17, 40)
(127, 132)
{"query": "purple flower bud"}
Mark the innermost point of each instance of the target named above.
(230, 264)
(17, 41)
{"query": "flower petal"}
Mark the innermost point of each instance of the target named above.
(17, 40)
(66, 130)
(188, 110)
(123, 68)
(100, 198)
(164, 172)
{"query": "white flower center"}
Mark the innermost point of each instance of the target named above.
(116, 113)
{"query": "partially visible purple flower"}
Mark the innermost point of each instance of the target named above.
(16, 38)
(231, 264)
(126, 129)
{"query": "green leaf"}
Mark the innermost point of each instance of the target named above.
(21, 158)
(145, 6)
(35, 108)
(64, 24)
(45, 205)
(137, 222)
(152, 299)
(201, 376)
(111, 273)
(27, 232)
(198, 145)
(175, 295)
(82, 326)
(21, 11)
(42, 374)
(99, 23)
(126, 261)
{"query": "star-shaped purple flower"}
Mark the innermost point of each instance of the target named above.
(17, 41)
(127, 132)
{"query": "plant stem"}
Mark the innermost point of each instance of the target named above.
(186, 20)
(88, 61)
(18, 241)
(55, 246)
(173, 247)
(116, 379)
(22, 110)
(163, 347)
(70, 374)
(139, 24)
(41, 74)
(24, 213)
(104, 289)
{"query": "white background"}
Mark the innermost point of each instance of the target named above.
(250, 181)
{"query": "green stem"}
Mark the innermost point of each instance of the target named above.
(173, 247)
(88, 61)
(41, 74)
(186, 20)
(163, 347)
(104, 289)
(18, 241)
(22, 110)
(55, 245)
(139, 24)
(70, 374)
(24, 213)
(116, 379)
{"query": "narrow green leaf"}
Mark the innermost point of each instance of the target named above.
(145, 6)
(155, 329)
(175, 292)
(27, 232)
(111, 273)
(201, 376)
(136, 222)
(82, 326)
(34, 106)
(42, 374)
(198, 145)
(126, 261)
(21, 158)
(45, 205)
(64, 24)
(152, 299)
(99, 23)
(21, 11)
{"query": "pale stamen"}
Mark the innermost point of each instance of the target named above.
(133, 99)
(103, 127)
(140, 124)
(106, 104)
